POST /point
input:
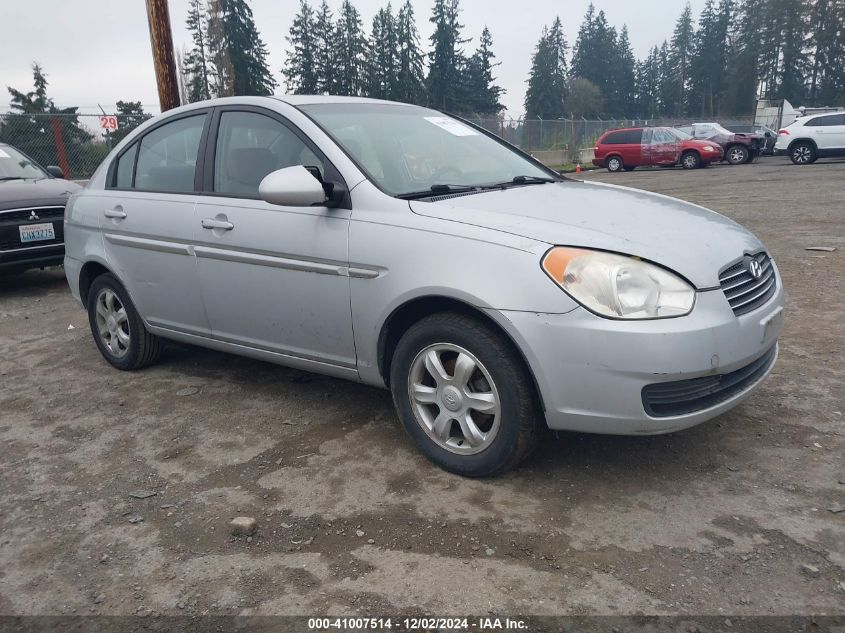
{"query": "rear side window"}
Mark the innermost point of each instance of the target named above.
(250, 146)
(126, 167)
(826, 121)
(614, 138)
(167, 159)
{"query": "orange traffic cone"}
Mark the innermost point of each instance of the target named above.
(578, 167)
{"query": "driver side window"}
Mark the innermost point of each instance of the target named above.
(250, 146)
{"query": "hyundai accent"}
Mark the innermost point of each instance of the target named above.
(405, 248)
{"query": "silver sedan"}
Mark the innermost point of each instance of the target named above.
(401, 247)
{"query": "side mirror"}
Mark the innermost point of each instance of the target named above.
(56, 172)
(292, 187)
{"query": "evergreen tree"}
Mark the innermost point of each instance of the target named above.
(350, 50)
(483, 93)
(827, 43)
(784, 62)
(624, 78)
(678, 73)
(744, 59)
(238, 53)
(130, 114)
(648, 85)
(195, 63)
(324, 60)
(383, 62)
(709, 61)
(667, 91)
(410, 80)
(546, 93)
(583, 54)
(300, 69)
(596, 55)
(446, 89)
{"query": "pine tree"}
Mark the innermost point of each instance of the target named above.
(596, 55)
(546, 93)
(648, 85)
(410, 80)
(678, 75)
(195, 64)
(445, 81)
(238, 54)
(827, 43)
(483, 92)
(709, 61)
(625, 77)
(583, 55)
(667, 91)
(744, 57)
(350, 50)
(383, 62)
(130, 114)
(784, 62)
(324, 50)
(300, 70)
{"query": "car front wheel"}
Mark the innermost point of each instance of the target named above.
(690, 160)
(614, 164)
(464, 395)
(802, 153)
(117, 327)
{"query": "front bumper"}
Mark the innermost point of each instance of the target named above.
(591, 371)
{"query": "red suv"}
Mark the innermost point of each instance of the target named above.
(663, 146)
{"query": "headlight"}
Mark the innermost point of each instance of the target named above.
(618, 286)
(708, 148)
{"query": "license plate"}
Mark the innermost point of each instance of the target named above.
(37, 232)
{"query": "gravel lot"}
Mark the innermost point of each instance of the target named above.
(731, 517)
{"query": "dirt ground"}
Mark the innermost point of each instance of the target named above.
(730, 517)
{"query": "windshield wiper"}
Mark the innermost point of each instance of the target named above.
(438, 190)
(527, 180)
(12, 178)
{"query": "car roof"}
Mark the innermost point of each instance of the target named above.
(820, 114)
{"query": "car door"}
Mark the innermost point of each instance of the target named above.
(828, 132)
(147, 220)
(661, 147)
(273, 278)
(631, 148)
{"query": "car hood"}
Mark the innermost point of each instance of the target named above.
(40, 192)
(691, 240)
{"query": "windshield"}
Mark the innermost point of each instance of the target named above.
(408, 149)
(16, 166)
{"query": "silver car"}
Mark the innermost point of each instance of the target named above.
(400, 247)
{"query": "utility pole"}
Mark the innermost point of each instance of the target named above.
(161, 40)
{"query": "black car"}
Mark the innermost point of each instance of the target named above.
(32, 211)
(768, 146)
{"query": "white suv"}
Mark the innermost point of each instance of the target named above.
(811, 137)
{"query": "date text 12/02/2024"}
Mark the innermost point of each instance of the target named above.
(417, 624)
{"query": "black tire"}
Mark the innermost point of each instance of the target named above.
(519, 423)
(627, 168)
(803, 153)
(690, 160)
(143, 348)
(615, 164)
(737, 154)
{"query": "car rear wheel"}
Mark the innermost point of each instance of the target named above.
(802, 153)
(614, 164)
(117, 327)
(737, 154)
(464, 395)
(690, 160)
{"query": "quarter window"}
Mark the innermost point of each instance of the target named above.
(250, 146)
(167, 160)
(126, 167)
(827, 121)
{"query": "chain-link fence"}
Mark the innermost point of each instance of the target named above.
(77, 143)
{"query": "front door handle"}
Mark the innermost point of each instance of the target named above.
(116, 214)
(211, 223)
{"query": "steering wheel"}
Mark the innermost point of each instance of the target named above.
(449, 169)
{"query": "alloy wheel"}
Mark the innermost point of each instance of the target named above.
(112, 323)
(801, 154)
(454, 399)
(737, 156)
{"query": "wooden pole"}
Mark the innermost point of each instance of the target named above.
(161, 40)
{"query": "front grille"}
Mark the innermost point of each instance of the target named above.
(742, 290)
(10, 221)
(681, 397)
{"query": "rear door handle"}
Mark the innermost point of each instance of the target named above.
(116, 214)
(211, 223)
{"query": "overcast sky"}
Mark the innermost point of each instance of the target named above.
(98, 51)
